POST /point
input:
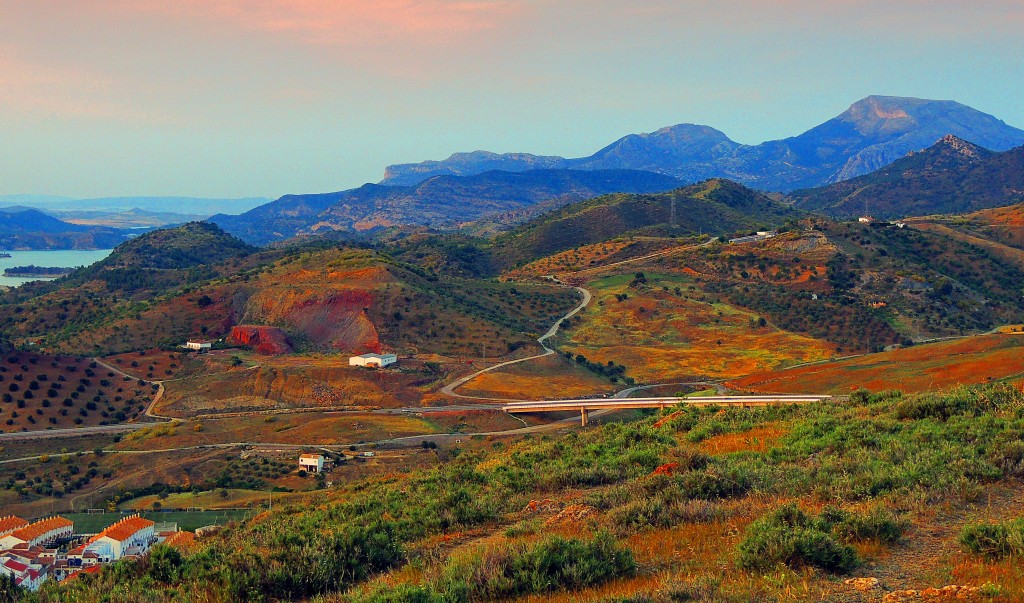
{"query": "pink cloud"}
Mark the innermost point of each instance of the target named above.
(33, 88)
(347, 22)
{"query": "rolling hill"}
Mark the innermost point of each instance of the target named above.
(715, 207)
(27, 228)
(196, 280)
(870, 134)
(443, 201)
(952, 176)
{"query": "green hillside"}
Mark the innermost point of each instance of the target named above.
(715, 207)
(704, 504)
(953, 176)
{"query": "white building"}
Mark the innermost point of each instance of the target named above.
(314, 463)
(38, 533)
(130, 536)
(377, 360)
(199, 346)
(27, 576)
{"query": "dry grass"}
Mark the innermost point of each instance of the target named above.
(590, 256)
(660, 335)
(924, 367)
(282, 382)
(212, 500)
(758, 439)
(297, 428)
(154, 364)
(550, 377)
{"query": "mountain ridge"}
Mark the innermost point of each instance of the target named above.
(870, 134)
(438, 201)
(951, 176)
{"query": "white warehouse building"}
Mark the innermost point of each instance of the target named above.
(377, 360)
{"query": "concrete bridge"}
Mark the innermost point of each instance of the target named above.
(590, 404)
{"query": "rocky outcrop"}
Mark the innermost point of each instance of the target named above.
(269, 341)
(328, 318)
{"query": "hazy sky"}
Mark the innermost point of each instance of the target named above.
(235, 98)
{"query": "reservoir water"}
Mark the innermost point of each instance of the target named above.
(61, 259)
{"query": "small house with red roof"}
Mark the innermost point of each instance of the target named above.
(26, 575)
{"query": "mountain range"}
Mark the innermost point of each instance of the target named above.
(437, 202)
(951, 176)
(870, 134)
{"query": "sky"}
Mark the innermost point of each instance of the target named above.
(235, 98)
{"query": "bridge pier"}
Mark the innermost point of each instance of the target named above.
(584, 416)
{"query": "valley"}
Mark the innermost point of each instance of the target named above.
(689, 391)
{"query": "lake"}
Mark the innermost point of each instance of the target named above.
(60, 259)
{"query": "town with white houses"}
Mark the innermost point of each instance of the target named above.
(50, 549)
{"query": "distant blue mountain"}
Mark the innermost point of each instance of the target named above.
(179, 205)
(871, 134)
(26, 228)
(440, 201)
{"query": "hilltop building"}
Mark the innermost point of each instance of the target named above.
(375, 360)
(314, 463)
(39, 533)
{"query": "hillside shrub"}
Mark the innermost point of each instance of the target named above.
(973, 401)
(789, 536)
(552, 564)
(879, 524)
(994, 540)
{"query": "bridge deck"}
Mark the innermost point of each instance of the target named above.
(584, 406)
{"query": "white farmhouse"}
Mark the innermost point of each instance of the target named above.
(314, 463)
(198, 345)
(377, 360)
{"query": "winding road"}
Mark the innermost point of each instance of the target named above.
(449, 390)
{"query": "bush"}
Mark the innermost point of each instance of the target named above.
(879, 525)
(972, 401)
(994, 540)
(554, 563)
(789, 536)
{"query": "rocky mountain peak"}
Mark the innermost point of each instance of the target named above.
(960, 145)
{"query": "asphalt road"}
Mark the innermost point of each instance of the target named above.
(449, 390)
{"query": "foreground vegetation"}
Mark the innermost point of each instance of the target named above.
(843, 488)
